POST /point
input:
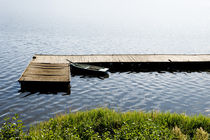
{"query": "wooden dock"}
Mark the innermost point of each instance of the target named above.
(116, 58)
(45, 76)
(54, 70)
(43, 72)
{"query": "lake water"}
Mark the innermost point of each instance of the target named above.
(107, 32)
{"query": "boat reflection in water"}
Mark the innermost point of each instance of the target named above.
(102, 77)
(87, 70)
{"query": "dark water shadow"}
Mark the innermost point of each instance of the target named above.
(44, 88)
(57, 88)
(159, 67)
(29, 93)
(102, 77)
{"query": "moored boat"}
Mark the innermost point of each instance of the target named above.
(87, 69)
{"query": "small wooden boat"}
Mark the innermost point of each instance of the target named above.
(87, 69)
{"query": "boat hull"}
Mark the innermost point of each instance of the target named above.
(77, 70)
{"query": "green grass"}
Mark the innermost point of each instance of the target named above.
(104, 123)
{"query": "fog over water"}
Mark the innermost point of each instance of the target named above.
(163, 26)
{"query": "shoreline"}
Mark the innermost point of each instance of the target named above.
(103, 123)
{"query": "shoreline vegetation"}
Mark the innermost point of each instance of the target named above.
(103, 123)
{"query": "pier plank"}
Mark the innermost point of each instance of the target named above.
(46, 72)
(122, 58)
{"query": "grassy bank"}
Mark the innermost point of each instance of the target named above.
(107, 124)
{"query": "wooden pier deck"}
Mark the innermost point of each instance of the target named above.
(116, 58)
(43, 72)
(46, 76)
(54, 70)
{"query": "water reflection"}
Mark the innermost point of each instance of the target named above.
(53, 88)
(102, 77)
(28, 93)
(128, 68)
(156, 66)
(45, 88)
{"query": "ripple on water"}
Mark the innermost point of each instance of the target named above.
(175, 92)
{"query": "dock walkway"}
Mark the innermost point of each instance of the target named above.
(121, 58)
(54, 69)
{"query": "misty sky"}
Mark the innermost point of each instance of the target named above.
(193, 13)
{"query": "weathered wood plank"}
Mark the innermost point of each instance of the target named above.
(44, 78)
(122, 58)
(46, 72)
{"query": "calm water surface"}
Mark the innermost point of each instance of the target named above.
(180, 92)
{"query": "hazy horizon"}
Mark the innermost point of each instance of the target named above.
(193, 14)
